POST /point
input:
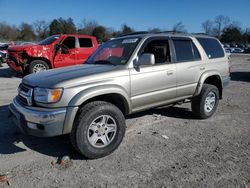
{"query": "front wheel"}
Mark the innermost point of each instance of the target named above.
(38, 66)
(205, 104)
(98, 129)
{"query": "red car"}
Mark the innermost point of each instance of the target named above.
(52, 52)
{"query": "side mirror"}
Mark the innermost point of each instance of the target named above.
(56, 47)
(64, 50)
(146, 59)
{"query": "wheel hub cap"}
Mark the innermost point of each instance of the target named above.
(39, 67)
(210, 102)
(102, 131)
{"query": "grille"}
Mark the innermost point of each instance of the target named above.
(23, 100)
(25, 94)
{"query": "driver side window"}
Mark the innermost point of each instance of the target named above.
(160, 49)
(69, 42)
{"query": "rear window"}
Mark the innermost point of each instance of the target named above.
(85, 43)
(185, 50)
(212, 47)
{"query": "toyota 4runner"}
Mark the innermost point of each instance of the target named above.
(125, 75)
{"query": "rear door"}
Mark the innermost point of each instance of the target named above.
(84, 50)
(66, 55)
(189, 66)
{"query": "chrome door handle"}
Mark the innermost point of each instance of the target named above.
(170, 72)
(202, 68)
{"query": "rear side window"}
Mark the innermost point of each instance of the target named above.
(212, 47)
(185, 50)
(85, 43)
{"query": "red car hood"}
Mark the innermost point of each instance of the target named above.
(17, 48)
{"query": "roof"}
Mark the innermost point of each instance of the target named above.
(164, 33)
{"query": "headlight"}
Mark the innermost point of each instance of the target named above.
(44, 95)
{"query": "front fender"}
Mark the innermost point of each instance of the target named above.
(87, 94)
(39, 52)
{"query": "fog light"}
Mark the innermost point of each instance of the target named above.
(31, 125)
(35, 126)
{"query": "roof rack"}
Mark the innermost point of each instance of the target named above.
(134, 33)
(199, 34)
(146, 32)
(172, 32)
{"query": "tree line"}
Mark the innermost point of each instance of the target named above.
(221, 27)
(41, 29)
(226, 30)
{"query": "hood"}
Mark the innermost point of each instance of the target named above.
(34, 50)
(66, 77)
(20, 47)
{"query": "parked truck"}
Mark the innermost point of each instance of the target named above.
(52, 52)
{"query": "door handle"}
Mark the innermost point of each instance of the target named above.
(170, 72)
(74, 53)
(202, 68)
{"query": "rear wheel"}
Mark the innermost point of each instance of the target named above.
(98, 130)
(38, 66)
(205, 104)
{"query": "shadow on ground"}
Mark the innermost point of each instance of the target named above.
(13, 141)
(173, 111)
(6, 72)
(240, 76)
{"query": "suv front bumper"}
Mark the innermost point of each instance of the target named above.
(41, 122)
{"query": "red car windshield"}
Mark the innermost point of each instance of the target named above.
(114, 52)
(49, 40)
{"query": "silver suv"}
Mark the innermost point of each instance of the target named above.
(124, 76)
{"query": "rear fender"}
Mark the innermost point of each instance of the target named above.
(202, 79)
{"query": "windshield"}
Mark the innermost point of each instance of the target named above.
(114, 52)
(49, 40)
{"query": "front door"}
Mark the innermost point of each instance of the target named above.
(154, 85)
(66, 55)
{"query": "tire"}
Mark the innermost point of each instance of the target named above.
(37, 66)
(93, 138)
(205, 104)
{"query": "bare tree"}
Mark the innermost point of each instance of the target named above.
(235, 24)
(41, 28)
(179, 27)
(221, 22)
(207, 26)
(8, 32)
(154, 30)
(87, 27)
(26, 32)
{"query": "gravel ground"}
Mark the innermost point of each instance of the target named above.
(164, 147)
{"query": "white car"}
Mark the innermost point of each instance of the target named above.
(237, 50)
